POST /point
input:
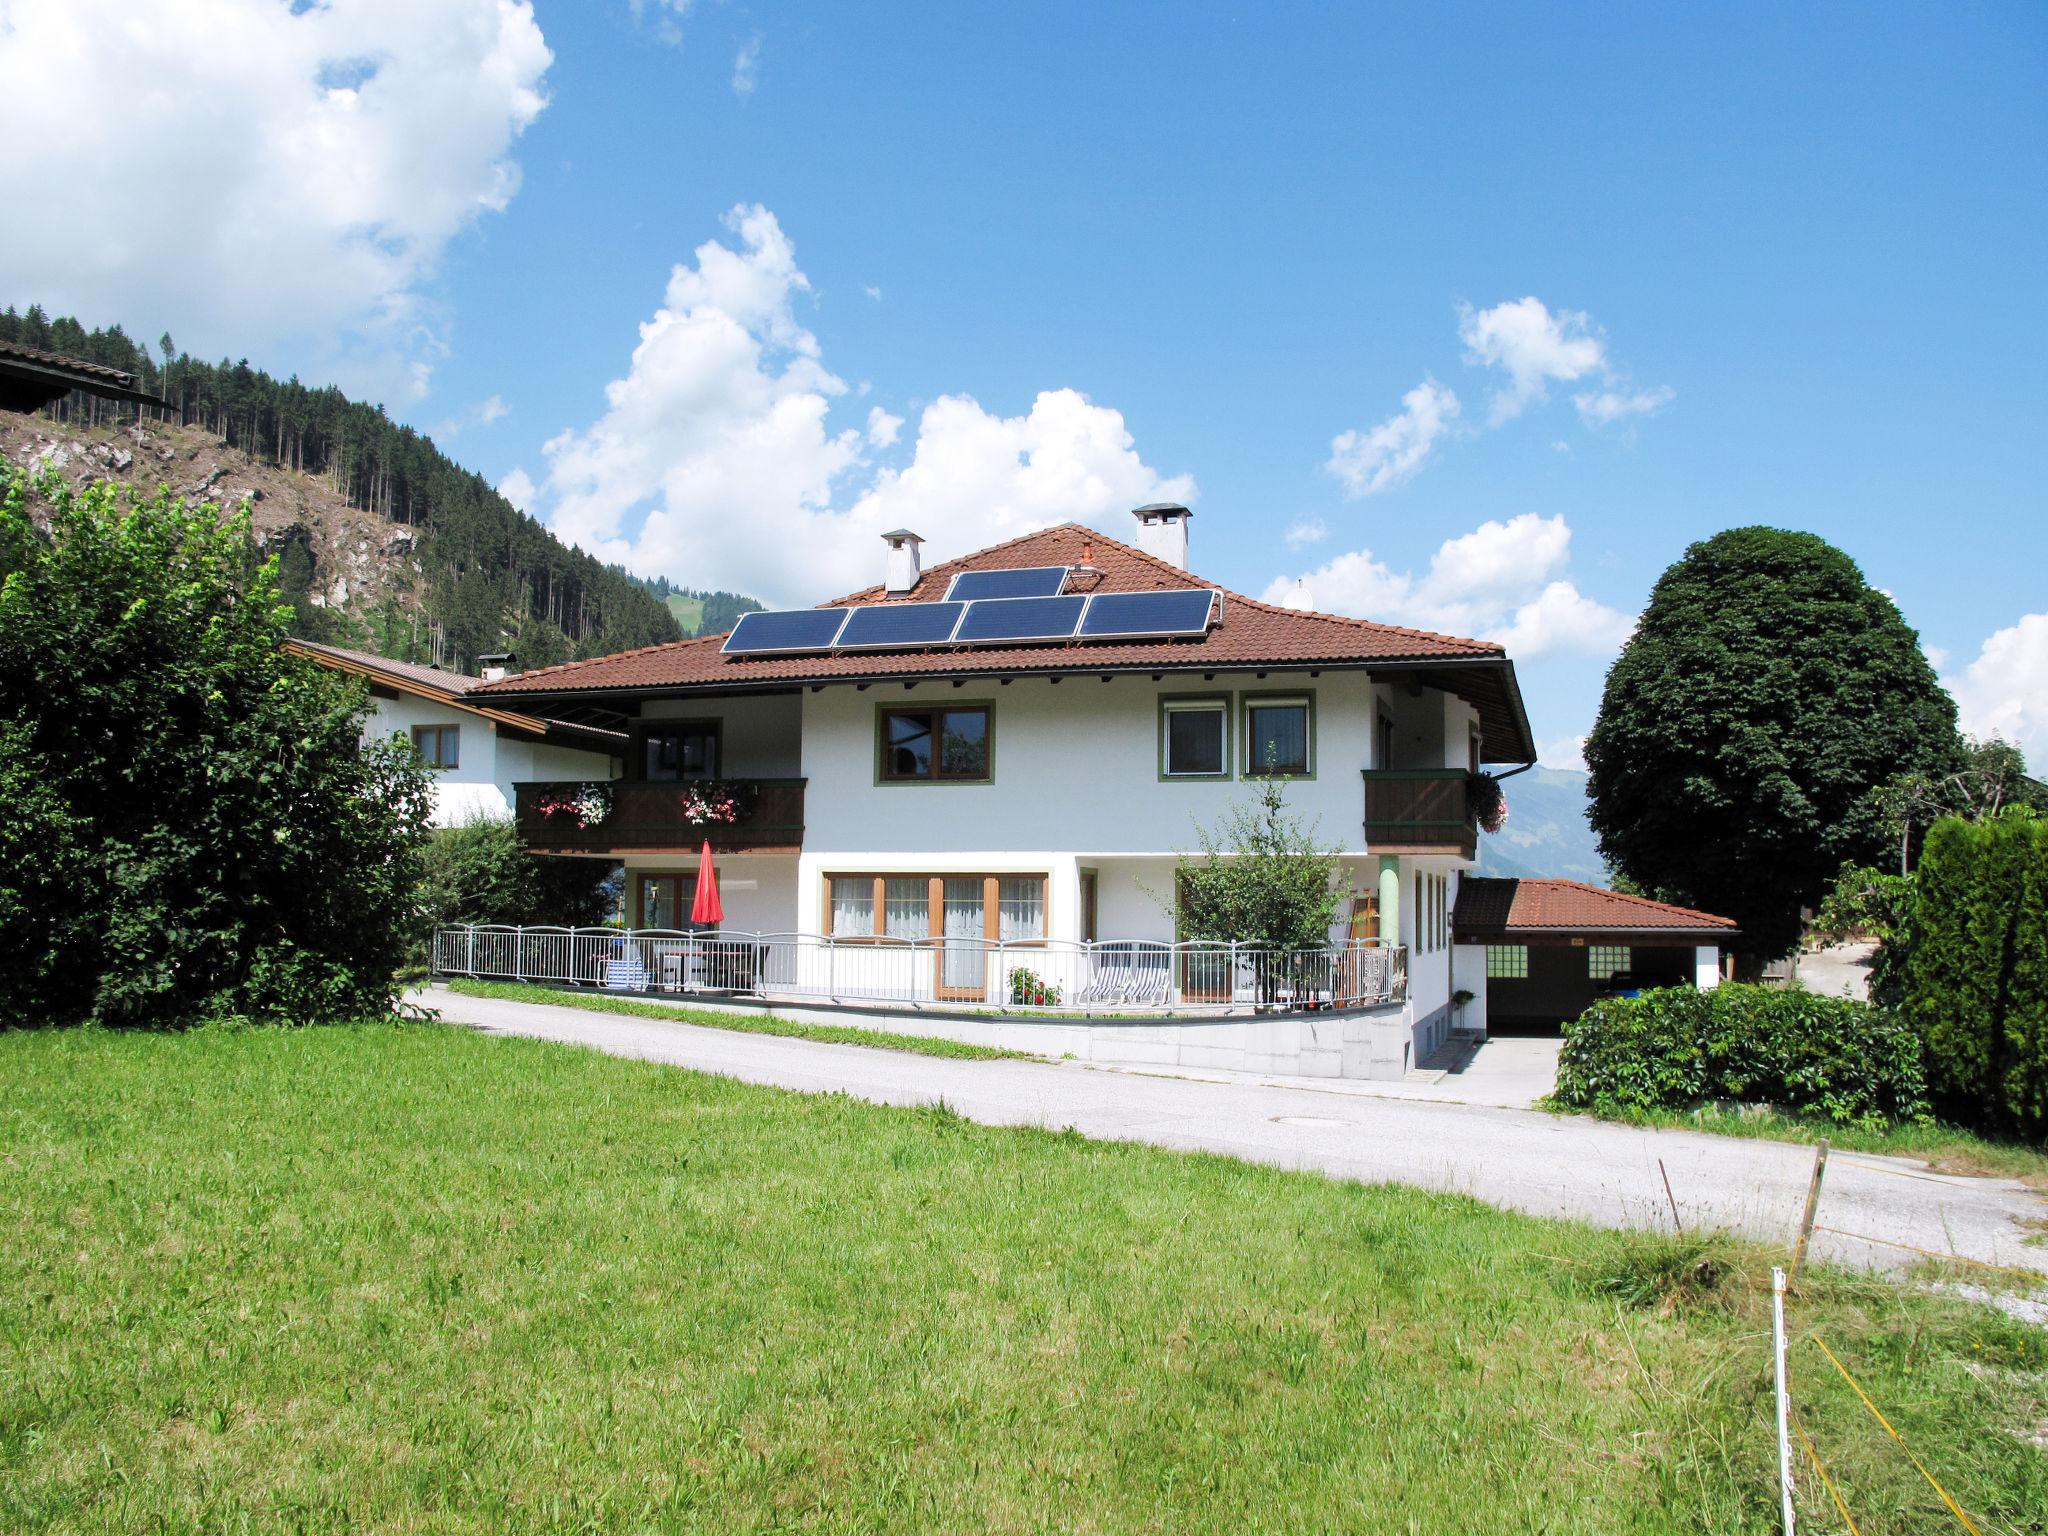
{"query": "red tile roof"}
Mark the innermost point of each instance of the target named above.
(1251, 634)
(1493, 906)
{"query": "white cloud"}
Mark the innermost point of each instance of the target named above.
(493, 409)
(2004, 692)
(1563, 752)
(882, 427)
(668, 17)
(873, 292)
(1308, 530)
(1562, 619)
(517, 487)
(715, 460)
(252, 171)
(746, 68)
(1386, 455)
(1533, 346)
(1504, 581)
(1602, 408)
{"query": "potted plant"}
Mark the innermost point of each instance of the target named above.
(1489, 802)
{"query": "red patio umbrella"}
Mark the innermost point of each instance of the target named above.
(707, 908)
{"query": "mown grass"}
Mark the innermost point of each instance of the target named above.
(745, 1023)
(1944, 1147)
(406, 1278)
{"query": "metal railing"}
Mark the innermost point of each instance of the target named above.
(1109, 976)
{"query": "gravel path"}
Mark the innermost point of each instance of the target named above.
(1527, 1161)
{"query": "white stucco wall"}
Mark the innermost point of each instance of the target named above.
(1468, 974)
(480, 785)
(1076, 768)
(1707, 966)
(759, 733)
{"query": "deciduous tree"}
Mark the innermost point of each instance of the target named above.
(1766, 692)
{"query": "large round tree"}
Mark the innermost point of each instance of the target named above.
(1768, 689)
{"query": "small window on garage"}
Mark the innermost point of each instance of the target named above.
(1507, 961)
(1603, 960)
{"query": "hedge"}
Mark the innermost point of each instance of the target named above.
(1675, 1048)
(1975, 971)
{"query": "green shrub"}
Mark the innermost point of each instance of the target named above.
(1675, 1047)
(190, 824)
(1975, 971)
(479, 872)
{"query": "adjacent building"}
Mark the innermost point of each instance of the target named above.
(476, 750)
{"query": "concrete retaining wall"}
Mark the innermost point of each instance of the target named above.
(1378, 1044)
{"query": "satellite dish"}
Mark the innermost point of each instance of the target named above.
(1300, 599)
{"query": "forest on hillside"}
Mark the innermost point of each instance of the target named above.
(495, 579)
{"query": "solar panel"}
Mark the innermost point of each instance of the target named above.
(800, 629)
(899, 624)
(1145, 615)
(1023, 581)
(1019, 618)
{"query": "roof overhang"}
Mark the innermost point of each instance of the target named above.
(29, 384)
(537, 726)
(1488, 683)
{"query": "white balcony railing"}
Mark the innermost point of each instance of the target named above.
(1109, 976)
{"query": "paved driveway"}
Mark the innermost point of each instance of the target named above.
(1522, 1159)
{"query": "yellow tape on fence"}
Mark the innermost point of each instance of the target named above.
(1953, 1507)
(1826, 1481)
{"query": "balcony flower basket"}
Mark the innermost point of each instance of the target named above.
(1489, 802)
(710, 802)
(585, 804)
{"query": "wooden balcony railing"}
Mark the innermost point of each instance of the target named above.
(633, 816)
(1420, 810)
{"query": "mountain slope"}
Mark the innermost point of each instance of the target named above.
(384, 542)
(1547, 834)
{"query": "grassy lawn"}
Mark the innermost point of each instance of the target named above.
(407, 1278)
(747, 1023)
(1944, 1147)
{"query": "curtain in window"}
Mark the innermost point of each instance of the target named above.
(1020, 909)
(1278, 738)
(907, 908)
(966, 928)
(853, 906)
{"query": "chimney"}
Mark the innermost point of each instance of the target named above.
(905, 563)
(1163, 531)
(495, 666)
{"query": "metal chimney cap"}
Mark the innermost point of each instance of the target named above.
(1160, 509)
(903, 535)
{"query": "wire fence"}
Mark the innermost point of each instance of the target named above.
(1109, 976)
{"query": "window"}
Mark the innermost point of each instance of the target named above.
(1194, 738)
(980, 907)
(439, 746)
(907, 908)
(1603, 960)
(935, 745)
(666, 900)
(686, 749)
(1276, 737)
(1507, 962)
(853, 905)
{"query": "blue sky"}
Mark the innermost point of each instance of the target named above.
(1788, 253)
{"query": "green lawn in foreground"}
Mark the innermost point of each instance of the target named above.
(413, 1279)
(746, 1023)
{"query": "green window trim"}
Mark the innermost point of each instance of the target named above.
(1169, 703)
(987, 708)
(1247, 702)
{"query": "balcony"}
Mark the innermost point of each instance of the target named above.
(1420, 810)
(634, 816)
